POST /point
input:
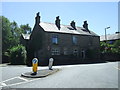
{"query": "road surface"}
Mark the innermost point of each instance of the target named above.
(102, 75)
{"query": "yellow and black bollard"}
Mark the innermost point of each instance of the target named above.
(34, 66)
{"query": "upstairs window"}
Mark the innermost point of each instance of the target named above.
(55, 39)
(74, 40)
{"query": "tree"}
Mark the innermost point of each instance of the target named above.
(16, 32)
(11, 34)
(25, 28)
(7, 36)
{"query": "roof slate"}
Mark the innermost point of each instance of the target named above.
(51, 27)
(110, 37)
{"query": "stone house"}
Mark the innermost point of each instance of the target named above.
(62, 42)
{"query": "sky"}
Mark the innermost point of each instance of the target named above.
(99, 15)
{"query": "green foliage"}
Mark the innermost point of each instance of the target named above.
(11, 34)
(6, 34)
(25, 28)
(18, 55)
(110, 48)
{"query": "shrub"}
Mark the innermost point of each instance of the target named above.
(110, 48)
(18, 55)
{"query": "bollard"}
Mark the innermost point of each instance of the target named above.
(50, 63)
(34, 66)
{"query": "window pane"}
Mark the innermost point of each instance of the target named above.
(54, 39)
(74, 40)
(55, 51)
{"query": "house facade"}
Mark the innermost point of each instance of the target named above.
(62, 42)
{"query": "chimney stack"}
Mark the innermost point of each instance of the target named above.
(57, 22)
(73, 24)
(85, 25)
(37, 18)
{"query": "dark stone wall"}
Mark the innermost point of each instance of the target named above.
(65, 41)
(110, 57)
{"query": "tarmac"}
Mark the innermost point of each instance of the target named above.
(40, 73)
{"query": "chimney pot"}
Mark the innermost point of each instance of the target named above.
(85, 25)
(57, 22)
(73, 24)
(37, 18)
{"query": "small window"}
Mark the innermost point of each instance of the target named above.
(74, 38)
(55, 51)
(55, 39)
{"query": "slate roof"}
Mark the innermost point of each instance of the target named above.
(110, 37)
(51, 27)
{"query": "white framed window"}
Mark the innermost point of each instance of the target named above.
(75, 52)
(55, 51)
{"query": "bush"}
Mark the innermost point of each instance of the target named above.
(110, 48)
(18, 55)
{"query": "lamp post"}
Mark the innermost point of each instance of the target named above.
(105, 33)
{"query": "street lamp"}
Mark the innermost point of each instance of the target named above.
(105, 33)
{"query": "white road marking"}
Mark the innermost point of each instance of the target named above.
(3, 84)
(9, 79)
(117, 68)
(23, 79)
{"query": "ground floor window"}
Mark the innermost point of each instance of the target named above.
(55, 51)
(75, 52)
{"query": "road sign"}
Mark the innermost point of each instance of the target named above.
(34, 65)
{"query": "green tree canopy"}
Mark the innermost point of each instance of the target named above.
(11, 33)
(7, 36)
(25, 28)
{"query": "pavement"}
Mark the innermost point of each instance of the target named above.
(40, 73)
(4, 65)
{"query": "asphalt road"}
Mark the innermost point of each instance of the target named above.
(102, 75)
